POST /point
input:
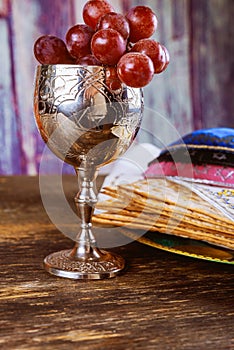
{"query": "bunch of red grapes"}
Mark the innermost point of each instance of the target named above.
(120, 43)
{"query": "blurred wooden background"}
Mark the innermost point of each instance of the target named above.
(197, 90)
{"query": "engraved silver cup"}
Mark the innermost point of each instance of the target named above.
(87, 125)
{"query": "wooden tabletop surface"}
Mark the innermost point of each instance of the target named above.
(162, 301)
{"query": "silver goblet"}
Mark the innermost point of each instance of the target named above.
(87, 125)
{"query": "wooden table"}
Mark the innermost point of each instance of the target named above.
(163, 301)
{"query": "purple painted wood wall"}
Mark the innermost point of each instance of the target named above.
(195, 92)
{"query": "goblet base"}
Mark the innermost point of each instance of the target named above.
(97, 266)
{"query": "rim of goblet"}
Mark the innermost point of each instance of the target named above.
(70, 68)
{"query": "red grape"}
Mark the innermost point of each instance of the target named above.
(115, 21)
(135, 69)
(88, 60)
(154, 50)
(143, 23)
(78, 40)
(167, 57)
(49, 49)
(93, 10)
(112, 79)
(108, 46)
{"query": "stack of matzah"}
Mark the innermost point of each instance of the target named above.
(161, 205)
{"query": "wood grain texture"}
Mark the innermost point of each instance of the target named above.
(168, 96)
(212, 62)
(162, 301)
(195, 92)
(9, 143)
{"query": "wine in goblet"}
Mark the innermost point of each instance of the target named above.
(86, 124)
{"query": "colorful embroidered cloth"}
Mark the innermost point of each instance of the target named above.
(205, 155)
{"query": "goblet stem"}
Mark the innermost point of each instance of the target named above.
(85, 260)
(85, 202)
